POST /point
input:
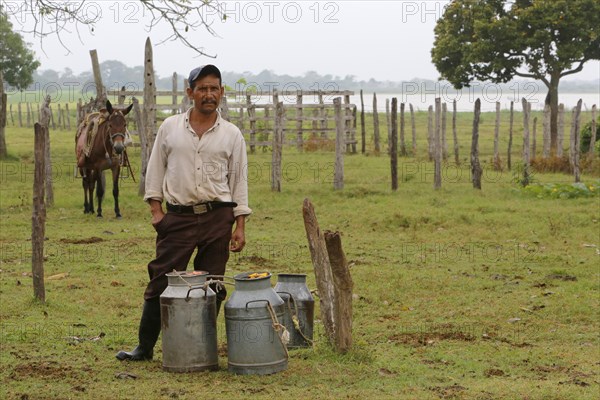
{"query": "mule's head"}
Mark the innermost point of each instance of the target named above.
(117, 126)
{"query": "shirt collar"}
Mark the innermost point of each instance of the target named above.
(187, 120)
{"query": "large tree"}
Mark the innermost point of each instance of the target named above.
(496, 40)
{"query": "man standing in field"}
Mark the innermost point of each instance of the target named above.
(196, 168)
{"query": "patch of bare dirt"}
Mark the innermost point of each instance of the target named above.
(93, 239)
(448, 392)
(42, 369)
(418, 339)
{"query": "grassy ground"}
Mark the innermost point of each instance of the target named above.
(459, 294)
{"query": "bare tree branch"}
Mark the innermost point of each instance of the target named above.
(62, 18)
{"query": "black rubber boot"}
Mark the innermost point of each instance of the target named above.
(148, 333)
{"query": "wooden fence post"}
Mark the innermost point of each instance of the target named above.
(299, 123)
(454, 133)
(144, 151)
(252, 119)
(497, 162)
(576, 141)
(342, 290)
(510, 135)
(149, 110)
(430, 133)
(414, 130)
(594, 132)
(437, 153)
(174, 91)
(350, 143)
(3, 119)
(526, 111)
(323, 113)
(338, 177)
(45, 117)
(38, 218)
(403, 151)
(277, 148)
(476, 170)
(20, 115)
(388, 119)
(394, 144)
(376, 125)
(444, 141)
(68, 116)
(322, 267)
(100, 90)
(363, 131)
(561, 130)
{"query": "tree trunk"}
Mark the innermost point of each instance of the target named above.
(552, 101)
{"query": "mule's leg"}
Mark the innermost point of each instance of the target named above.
(100, 188)
(86, 182)
(90, 192)
(115, 176)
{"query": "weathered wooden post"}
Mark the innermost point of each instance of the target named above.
(388, 119)
(394, 144)
(334, 282)
(437, 148)
(144, 151)
(510, 135)
(497, 162)
(3, 101)
(45, 116)
(350, 143)
(60, 116)
(299, 122)
(224, 108)
(560, 137)
(403, 151)
(338, 175)
(29, 116)
(38, 218)
(594, 132)
(414, 130)
(68, 115)
(430, 133)
(546, 132)
(252, 119)
(576, 141)
(376, 125)
(363, 131)
(342, 290)
(526, 111)
(476, 170)
(277, 148)
(444, 142)
(322, 267)
(454, 133)
(323, 114)
(20, 115)
(149, 110)
(10, 112)
(100, 90)
(174, 93)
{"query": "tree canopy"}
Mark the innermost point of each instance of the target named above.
(17, 61)
(497, 40)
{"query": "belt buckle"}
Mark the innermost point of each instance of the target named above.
(200, 208)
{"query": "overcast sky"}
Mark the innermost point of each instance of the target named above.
(384, 40)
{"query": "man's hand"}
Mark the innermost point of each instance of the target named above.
(238, 237)
(157, 212)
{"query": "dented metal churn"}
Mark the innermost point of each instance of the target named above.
(299, 312)
(189, 323)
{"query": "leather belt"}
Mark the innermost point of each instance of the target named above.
(200, 208)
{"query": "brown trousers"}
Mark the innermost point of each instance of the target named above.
(178, 235)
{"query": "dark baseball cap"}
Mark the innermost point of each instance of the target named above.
(202, 71)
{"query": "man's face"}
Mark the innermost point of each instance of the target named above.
(206, 93)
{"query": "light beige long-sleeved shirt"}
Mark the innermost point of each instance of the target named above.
(184, 169)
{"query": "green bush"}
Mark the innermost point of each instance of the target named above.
(563, 190)
(586, 135)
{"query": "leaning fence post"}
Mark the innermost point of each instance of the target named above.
(45, 116)
(526, 111)
(363, 132)
(277, 148)
(576, 141)
(376, 124)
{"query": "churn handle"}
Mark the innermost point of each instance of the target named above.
(256, 301)
(187, 296)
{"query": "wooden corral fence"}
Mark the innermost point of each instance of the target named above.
(254, 113)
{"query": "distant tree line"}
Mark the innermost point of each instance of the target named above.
(116, 74)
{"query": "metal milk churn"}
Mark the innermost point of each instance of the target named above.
(189, 323)
(254, 346)
(299, 313)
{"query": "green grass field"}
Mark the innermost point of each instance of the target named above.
(459, 293)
